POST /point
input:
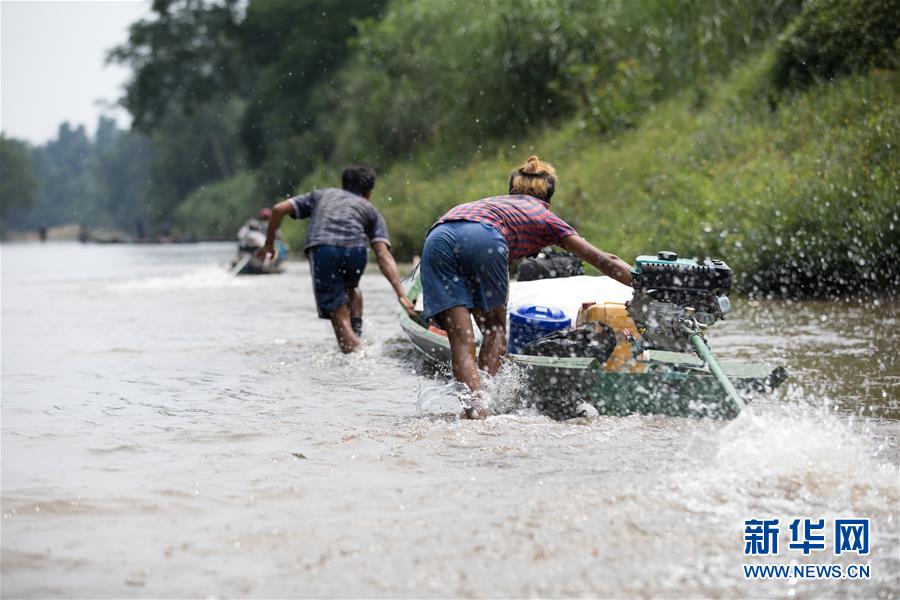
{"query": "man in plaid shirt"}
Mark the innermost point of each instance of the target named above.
(465, 267)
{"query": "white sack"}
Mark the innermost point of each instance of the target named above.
(567, 293)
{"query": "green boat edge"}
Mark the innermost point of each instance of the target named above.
(675, 384)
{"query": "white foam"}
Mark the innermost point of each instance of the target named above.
(782, 460)
(503, 391)
(500, 393)
(437, 398)
(207, 277)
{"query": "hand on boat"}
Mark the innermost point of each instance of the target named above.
(408, 306)
(268, 249)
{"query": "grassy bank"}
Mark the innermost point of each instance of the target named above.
(766, 137)
(802, 198)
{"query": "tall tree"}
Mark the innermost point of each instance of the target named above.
(185, 156)
(183, 58)
(61, 168)
(18, 187)
(295, 49)
(120, 175)
(185, 62)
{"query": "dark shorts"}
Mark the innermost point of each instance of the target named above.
(334, 271)
(464, 263)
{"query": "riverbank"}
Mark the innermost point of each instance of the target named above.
(801, 200)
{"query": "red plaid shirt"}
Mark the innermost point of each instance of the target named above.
(525, 222)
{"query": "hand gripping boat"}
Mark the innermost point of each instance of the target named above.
(660, 362)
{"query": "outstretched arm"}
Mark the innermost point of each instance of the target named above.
(608, 264)
(278, 211)
(389, 268)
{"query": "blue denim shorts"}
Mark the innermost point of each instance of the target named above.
(464, 263)
(335, 270)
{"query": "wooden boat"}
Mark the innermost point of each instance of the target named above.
(673, 383)
(246, 262)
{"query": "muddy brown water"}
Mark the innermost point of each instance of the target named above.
(169, 431)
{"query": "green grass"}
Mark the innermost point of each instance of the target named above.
(768, 162)
(802, 199)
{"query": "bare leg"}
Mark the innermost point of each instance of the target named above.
(356, 302)
(493, 346)
(340, 322)
(462, 346)
(356, 310)
(458, 325)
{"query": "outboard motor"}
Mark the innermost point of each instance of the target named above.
(668, 291)
(675, 300)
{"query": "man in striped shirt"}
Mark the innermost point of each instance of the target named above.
(465, 267)
(343, 223)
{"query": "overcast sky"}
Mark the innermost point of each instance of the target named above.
(52, 63)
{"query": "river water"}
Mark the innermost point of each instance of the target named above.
(168, 430)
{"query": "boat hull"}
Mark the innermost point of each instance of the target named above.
(674, 384)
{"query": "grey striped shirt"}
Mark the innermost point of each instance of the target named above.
(339, 218)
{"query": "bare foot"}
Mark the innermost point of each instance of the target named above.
(475, 407)
(477, 414)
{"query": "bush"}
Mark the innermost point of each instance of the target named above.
(218, 210)
(831, 38)
(611, 103)
(431, 74)
(798, 202)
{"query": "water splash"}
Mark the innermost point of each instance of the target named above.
(794, 455)
(500, 394)
(504, 391)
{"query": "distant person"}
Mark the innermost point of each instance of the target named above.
(465, 263)
(248, 227)
(258, 223)
(343, 222)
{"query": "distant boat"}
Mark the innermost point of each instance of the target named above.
(250, 239)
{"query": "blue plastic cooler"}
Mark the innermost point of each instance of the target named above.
(529, 323)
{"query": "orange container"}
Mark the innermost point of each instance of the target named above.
(615, 316)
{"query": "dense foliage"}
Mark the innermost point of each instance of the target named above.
(802, 200)
(831, 38)
(183, 58)
(295, 50)
(433, 74)
(248, 90)
(222, 207)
